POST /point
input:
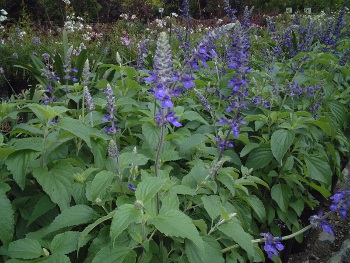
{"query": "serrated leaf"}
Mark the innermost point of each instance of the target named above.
(101, 182)
(25, 248)
(281, 193)
(7, 221)
(65, 243)
(298, 206)
(318, 168)
(175, 223)
(193, 116)
(90, 227)
(56, 258)
(212, 250)
(281, 140)
(259, 157)
(193, 253)
(99, 150)
(77, 128)
(43, 205)
(152, 134)
(114, 255)
(257, 205)
(148, 188)
(182, 190)
(235, 231)
(73, 216)
(248, 148)
(191, 142)
(212, 205)
(128, 158)
(122, 218)
(55, 184)
(18, 163)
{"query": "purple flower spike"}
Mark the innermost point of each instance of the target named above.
(272, 245)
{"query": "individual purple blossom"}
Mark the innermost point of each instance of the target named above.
(36, 40)
(272, 244)
(162, 120)
(131, 187)
(223, 144)
(318, 221)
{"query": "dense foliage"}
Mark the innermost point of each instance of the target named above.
(211, 144)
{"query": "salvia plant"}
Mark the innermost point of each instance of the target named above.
(205, 155)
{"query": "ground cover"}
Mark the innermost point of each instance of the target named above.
(213, 143)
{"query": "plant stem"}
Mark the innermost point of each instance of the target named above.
(261, 240)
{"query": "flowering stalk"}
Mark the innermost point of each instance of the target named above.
(340, 200)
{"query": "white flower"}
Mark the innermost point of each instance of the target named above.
(67, 2)
(3, 12)
(174, 15)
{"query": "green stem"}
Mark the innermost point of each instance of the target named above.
(261, 240)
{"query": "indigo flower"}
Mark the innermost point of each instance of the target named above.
(131, 187)
(223, 144)
(318, 221)
(110, 111)
(340, 202)
(272, 245)
(231, 13)
(170, 117)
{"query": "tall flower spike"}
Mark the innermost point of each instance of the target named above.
(110, 111)
(86, 72)
(88, 100)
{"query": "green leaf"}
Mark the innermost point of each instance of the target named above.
(46, 112)
(281, 140)
(25, 248)
(191, 142)
(18, 163)
(55, 184)
(259, 157)
(193, 116)
(99, 150)
(257, 205)
(122, 218)
(175, 223)
(235, 231)
(128, 158)
(56, 258)
(43, 205)
(248, 148)
(298, 206)
(65, 243)
(73, 216)
(182, 190)
(114, 255)
(148, 188)
(281, 193)
(318, 168)
(193, 253)
(338, 111)
(212, 250)
(101, 182)
(152, 134)
(77, 128)
(7, 221)
(212, 205)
